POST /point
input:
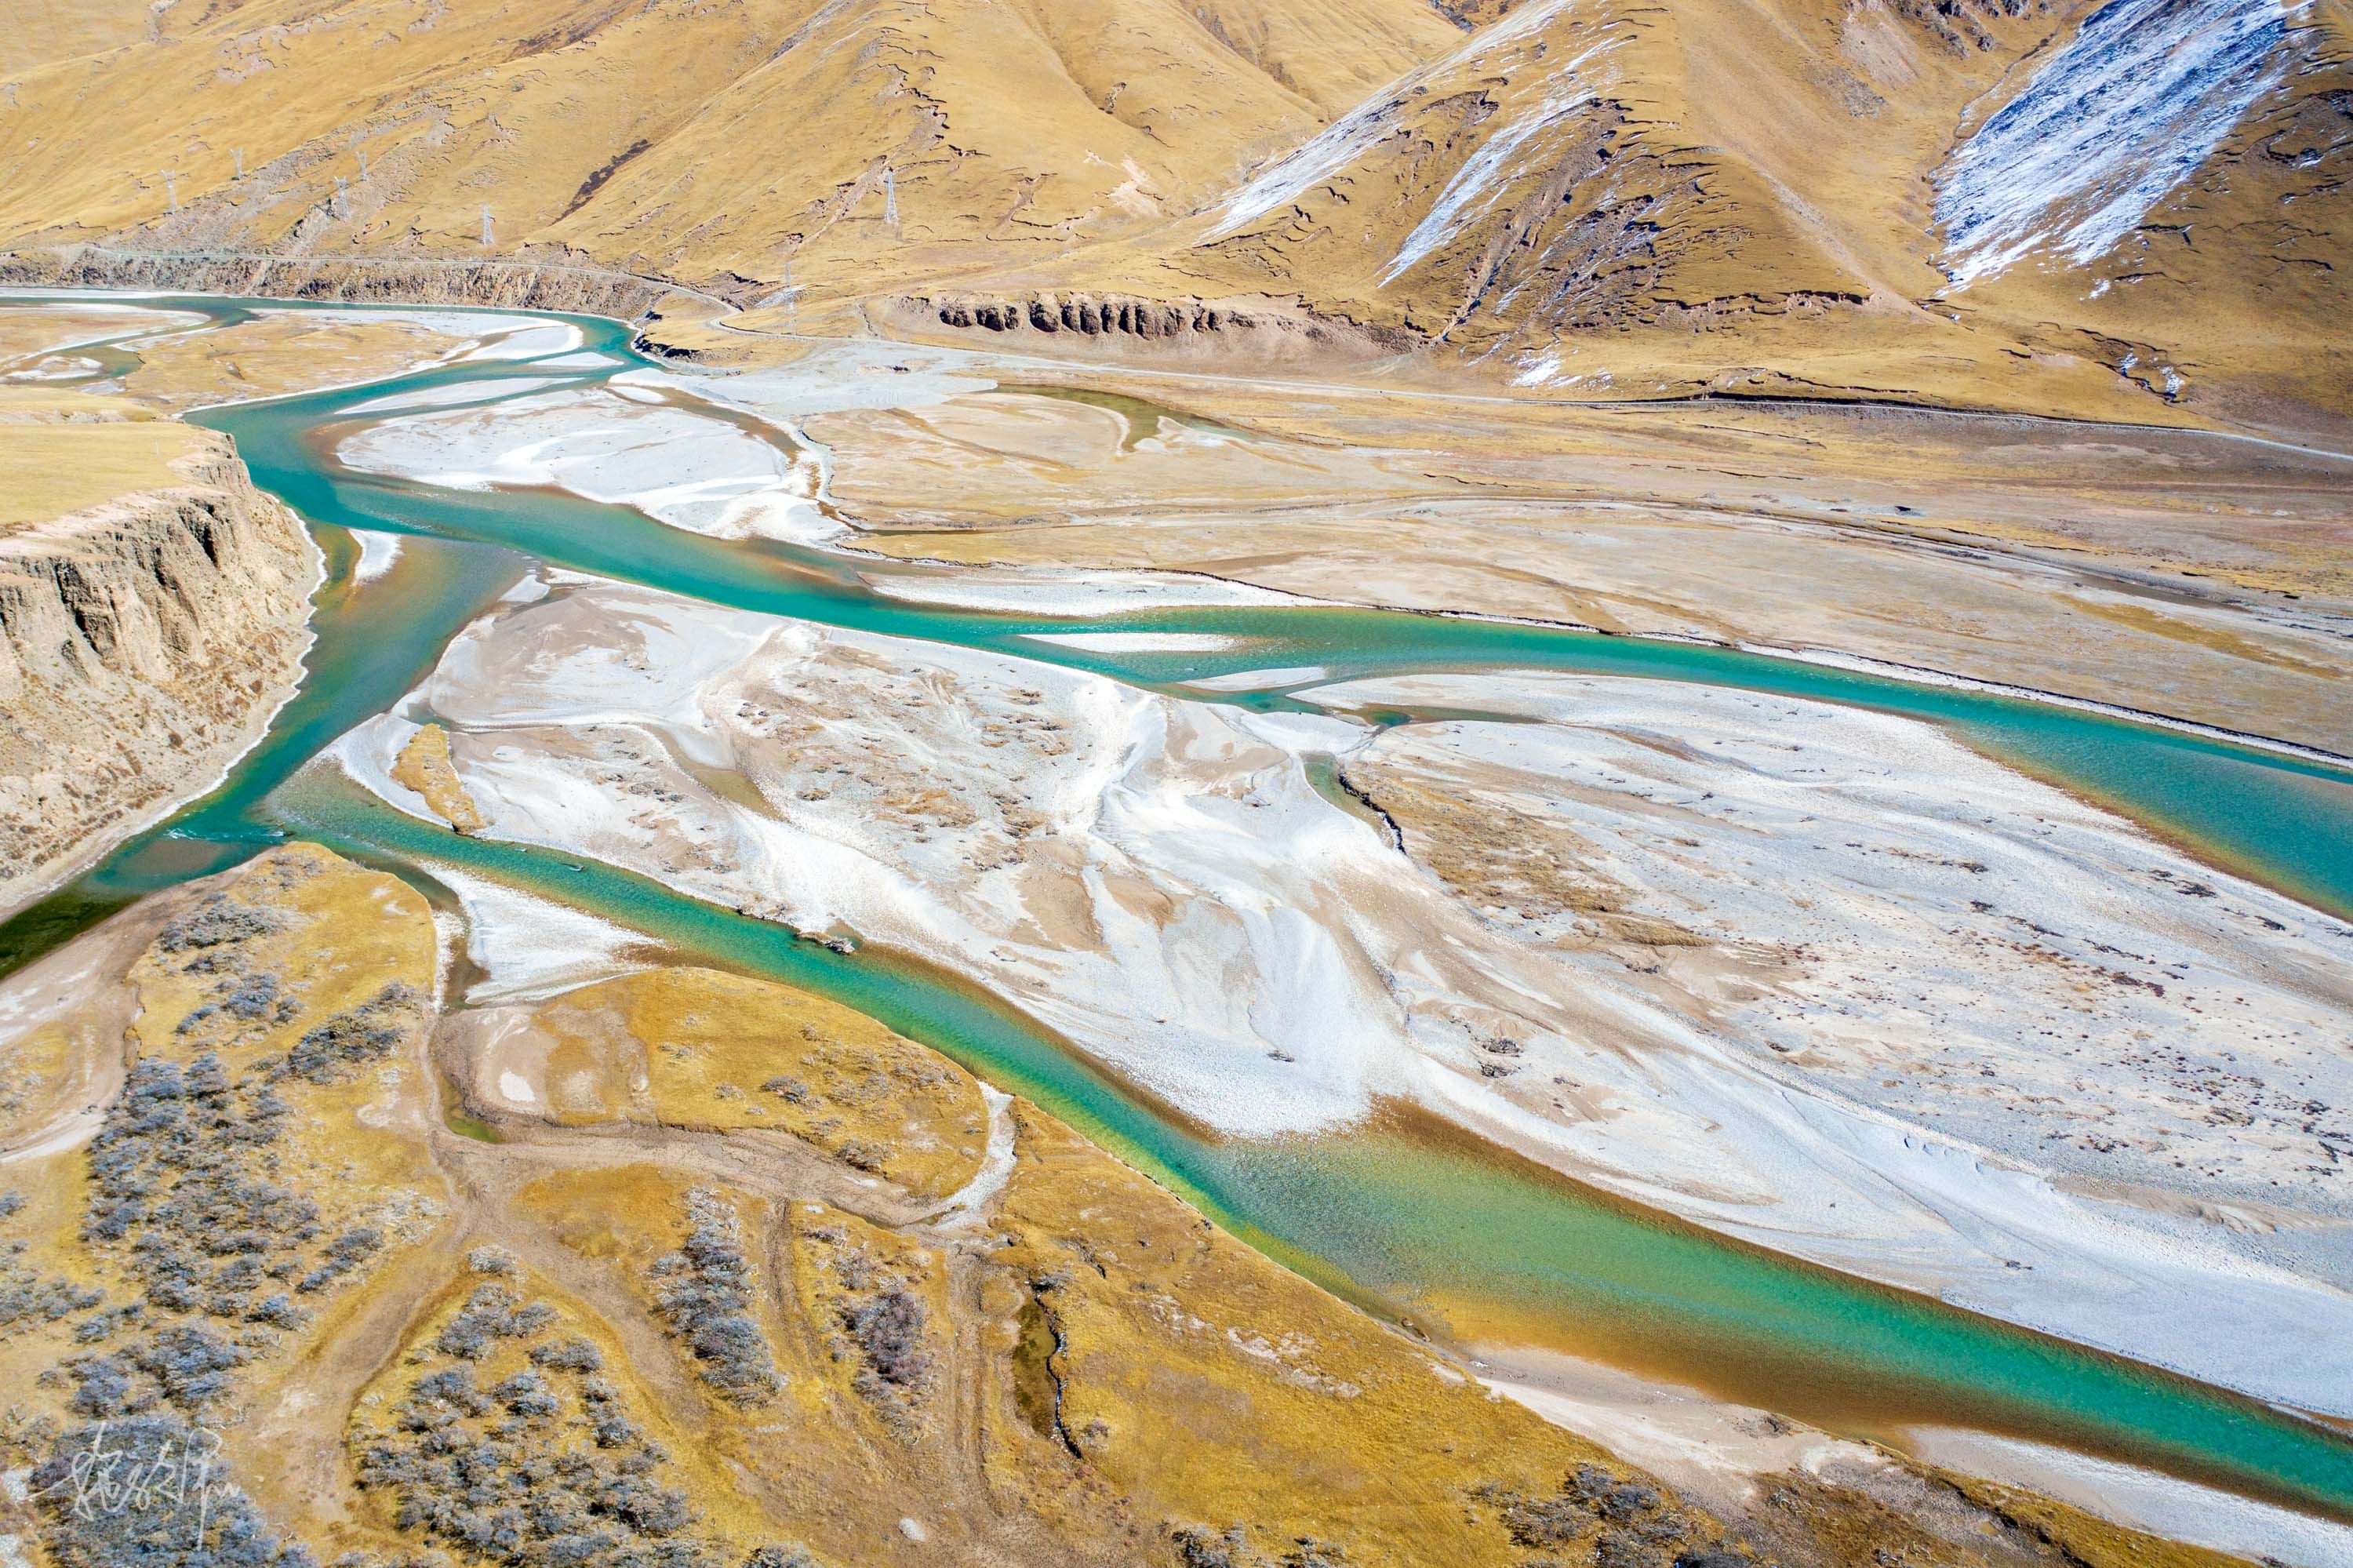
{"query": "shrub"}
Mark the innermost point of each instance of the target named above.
(701, 1295)
(889, 1332)
(1198, 1547)
(780, 1557)
(569, 1355)
(216, 922)
(501, 1475)
(207, 1523)
(329, 1052)
(863, 1154)
(526, 1393)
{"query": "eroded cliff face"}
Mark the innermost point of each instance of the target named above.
(143, 643)
(549, 282)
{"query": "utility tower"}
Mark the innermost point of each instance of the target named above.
(889, 195)
(343, 204)
(172, 189)
(239, 155)
(363, 163)
(487, 241)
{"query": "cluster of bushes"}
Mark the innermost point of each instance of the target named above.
(180, 1190)
(182, 1196)
(341, 1255)
(27, 1296)
(332, 1051)
(240, 999)
(190, 1514)
(177, 1182)
(881, 1323)
(491, 1313)
(703, 1294)
(216, 922)
(215, 932)
(1198, 1547)
(1627, 1523)
(541, 1468)
(181, 1367)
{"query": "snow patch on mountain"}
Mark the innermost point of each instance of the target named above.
(2142, 96)
(1483, 176)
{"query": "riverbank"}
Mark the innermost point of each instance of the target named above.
(1145, 658)
(146, 640)
(1595, 945)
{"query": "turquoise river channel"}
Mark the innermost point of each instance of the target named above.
(1418, 1225)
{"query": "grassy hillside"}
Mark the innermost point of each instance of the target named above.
(1582, 198)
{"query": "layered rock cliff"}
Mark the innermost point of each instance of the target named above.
(145, 641)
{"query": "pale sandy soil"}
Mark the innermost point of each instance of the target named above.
(28, 334)
(2165, 571)
(1729, 1454)
(2170, 572)
(183, 363)
(2161, 1505)
(686, 470)
(1794, 935)
(527, 947)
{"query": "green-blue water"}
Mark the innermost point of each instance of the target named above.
(1400, 1215)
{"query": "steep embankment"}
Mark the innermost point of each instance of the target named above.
(152, 617)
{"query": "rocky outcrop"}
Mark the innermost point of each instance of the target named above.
(144, 643)
(1075, 321)
(559, 283)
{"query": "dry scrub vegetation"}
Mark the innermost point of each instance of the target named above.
(702, 1303)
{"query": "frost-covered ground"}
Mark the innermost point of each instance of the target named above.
(625, 445)
(1821, 978)
(2129, 108)
(1566, 87)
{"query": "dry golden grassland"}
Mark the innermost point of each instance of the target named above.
(54, 469)
(424, 765)
(713, 1335)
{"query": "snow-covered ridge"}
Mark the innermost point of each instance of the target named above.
(2107, 127)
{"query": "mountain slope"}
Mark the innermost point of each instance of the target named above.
(1990, 203)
